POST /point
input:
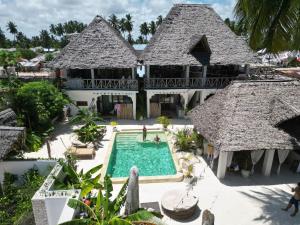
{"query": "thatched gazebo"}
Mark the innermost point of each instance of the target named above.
(192, 53)
(11, 138)
(256, 116)
(100, 68)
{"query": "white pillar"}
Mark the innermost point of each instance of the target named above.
(147, 71)
(132, 72)
(247, 69)
(187, 75)
(133, 98)
(186, 99)
(202, 96)
(93, 77)
(204, 71)
(148, 96)
(268, 161)
(222, 164)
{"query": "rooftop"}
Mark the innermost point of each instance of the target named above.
(189, 28)
(251, 115)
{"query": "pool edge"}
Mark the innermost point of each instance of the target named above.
(142, 179)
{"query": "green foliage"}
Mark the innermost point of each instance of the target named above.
(26, 53)
(9, 58)
(39, 102)
(114, 123)
(270, 24)
(165, 121)
(33, 141)
(84, 181)
(106, 211)
(49, 57)
(184, 140)
(16, 202)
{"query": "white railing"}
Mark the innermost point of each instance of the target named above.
(104, 84)
(182, 83)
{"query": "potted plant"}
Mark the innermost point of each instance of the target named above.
(164, 121)
(114, 124)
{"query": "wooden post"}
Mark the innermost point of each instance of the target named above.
(93, 77)
(147, 71)
(204, 71)
(187, 75)
(132, 73)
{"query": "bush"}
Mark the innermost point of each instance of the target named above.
(39, 102)
(49, 57)
(26, 53)
(90, 133)
(16, 202)
(165, 121)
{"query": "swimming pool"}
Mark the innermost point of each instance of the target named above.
(152, 159)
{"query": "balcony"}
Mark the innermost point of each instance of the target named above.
(187, 83)
(102, 84)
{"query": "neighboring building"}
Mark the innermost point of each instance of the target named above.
(192, 54)
(100, 68)
(261, 117)
(11, 138)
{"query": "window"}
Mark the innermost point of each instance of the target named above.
(82, 103)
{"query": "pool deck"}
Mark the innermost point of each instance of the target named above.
(234, 201)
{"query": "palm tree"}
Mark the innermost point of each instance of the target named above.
(106, 211)
(45, 39)
(114, 21)
(2, 39)
(128, 23)
(53, 29)
(159, 20)
(152, 27)
(144, 29)
(122, 25)
(271, 24)
(12, 28)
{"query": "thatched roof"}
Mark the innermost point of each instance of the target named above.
(11, 138)
(248, 115)
(184, 28)
(98, 46)
(8, 117)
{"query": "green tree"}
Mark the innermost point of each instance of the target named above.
(12, 28)
(144, 29)
(130, 39)
(22, 40)
(49, 57)
(270, 24)
(35, 41)
(140, 40)
(128, 23)
(122, 26)
(39, 102)
(45, 39)
(114, 21)
(2, 39)
(159, 20)
(152, 27)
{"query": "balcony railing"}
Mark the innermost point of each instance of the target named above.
(183, 83)
(103, 84)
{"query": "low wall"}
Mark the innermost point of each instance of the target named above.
(20, 167)
(50, 206)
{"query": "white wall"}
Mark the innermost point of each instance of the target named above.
(54, 208)
(20, 167)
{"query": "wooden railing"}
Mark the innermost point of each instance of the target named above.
(192, 83)
(103, 84)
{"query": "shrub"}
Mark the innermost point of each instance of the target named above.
(165, 121)
(184, 140)
(39, 102)
(114, 123)
(49, 57)
(90, 133)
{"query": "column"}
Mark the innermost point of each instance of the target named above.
(187, 75)
(268, 161)
(148, 96)
(132, 73)
(147, 71)
(186, 99)
(222, 164)
(204, 71)
(247, 69)
(93, 77)
(133, 98)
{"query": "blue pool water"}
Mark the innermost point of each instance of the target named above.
(151, 159)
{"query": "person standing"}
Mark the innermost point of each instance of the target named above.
(294, 200)
(144, 133)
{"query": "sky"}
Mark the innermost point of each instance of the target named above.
(31, 16)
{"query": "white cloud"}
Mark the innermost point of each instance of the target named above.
(33, 15)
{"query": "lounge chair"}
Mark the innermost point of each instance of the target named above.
(82, 152)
